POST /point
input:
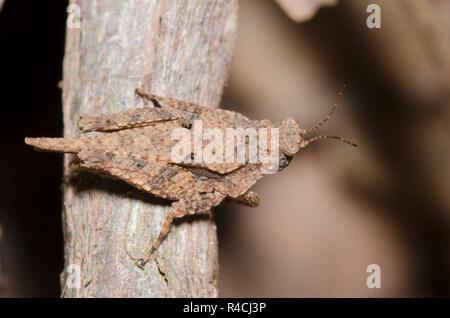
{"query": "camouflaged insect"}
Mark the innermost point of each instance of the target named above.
(137, 143)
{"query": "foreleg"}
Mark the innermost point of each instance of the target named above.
(193, 205)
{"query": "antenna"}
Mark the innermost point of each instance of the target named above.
(311, 140)
(336, 104)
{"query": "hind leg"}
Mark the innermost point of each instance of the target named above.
(192, 205)
(173, 103)
(135, 117)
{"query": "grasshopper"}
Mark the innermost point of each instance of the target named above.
(136, 147)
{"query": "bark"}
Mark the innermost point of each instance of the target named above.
(180, 49)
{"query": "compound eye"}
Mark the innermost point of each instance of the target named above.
(290, 136)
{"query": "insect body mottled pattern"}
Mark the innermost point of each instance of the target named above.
(136, 146)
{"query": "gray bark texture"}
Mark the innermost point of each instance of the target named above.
(174, 48)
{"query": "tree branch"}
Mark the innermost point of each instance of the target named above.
(180, 49)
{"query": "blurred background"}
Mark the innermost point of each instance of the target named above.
(335, 209)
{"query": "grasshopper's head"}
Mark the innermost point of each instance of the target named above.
(292, 137)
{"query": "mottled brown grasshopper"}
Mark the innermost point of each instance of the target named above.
(137, 147)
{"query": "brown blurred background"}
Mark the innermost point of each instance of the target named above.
(333, 211)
